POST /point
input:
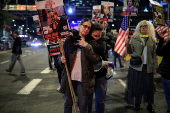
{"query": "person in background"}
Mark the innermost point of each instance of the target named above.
(106, 11)
(115, 54)
(56, 64)
(140, 83)
(164, 67)
(50, 59)
(96, 13)
(130, 8)
(16, 52)
(80, 58)
(106, 35)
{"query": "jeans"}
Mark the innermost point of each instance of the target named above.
(13, 61)
(82, 100)
(166, 87)
(116, 55)
(58, 67)
(100, 93)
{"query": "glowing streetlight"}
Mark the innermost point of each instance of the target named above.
(70, 10)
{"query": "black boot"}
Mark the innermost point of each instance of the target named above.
(168, 111)
(137, 107)
(150, 109)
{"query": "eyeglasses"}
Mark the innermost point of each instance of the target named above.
(144, 26)
(85, 26)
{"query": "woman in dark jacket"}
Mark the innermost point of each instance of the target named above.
(164, 67)
(80, 59)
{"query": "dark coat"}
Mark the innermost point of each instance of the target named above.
(88, 58)
(99, 47)
(163, 50)
(16, 49)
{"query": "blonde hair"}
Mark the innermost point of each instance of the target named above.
(150, 32)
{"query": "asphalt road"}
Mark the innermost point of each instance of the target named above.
(36, 92)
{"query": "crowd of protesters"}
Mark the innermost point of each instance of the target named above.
(90, 44)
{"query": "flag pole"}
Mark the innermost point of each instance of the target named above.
(168, 22)
(75, 103)
(125, 63)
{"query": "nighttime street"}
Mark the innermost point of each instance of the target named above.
(129, 37)
(37, 91)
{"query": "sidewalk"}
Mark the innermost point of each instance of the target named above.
(5, 51)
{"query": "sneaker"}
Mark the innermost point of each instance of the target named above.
(58, 89)
(22, 73)
(7, 71)
(150, 109)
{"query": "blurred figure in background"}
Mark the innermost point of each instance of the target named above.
(115, 54)
(16, 52)
(164, 67)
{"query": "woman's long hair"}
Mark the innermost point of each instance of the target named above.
(150, 32)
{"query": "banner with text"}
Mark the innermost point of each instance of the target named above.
(53, 49)
(131, 31)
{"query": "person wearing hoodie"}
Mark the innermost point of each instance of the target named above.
(99, 45)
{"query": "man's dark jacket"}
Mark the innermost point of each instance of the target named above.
(17, 45)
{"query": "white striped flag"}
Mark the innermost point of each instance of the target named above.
(123, 34)
(162, 29)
